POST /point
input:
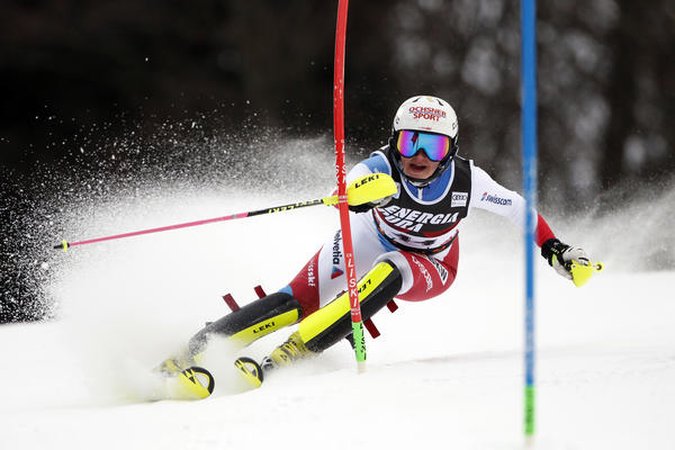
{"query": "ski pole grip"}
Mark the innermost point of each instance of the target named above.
(370, 188)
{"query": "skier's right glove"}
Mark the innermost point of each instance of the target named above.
(365, 207)
(560, 256)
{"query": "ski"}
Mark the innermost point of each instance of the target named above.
(250, 371)
(175, 383)
(193, 383)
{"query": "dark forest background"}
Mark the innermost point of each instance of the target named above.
(73, 71)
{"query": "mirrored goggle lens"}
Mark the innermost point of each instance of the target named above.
(435, 146)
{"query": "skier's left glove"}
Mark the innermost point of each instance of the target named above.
(365, 207)
(560, 256)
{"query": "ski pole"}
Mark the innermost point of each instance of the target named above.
(366, 189)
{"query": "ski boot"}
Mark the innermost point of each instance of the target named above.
(291, 350)
(330, 324)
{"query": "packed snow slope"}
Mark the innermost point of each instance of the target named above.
(446, 373)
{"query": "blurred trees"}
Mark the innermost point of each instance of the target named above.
(84, 74)
(606, 76)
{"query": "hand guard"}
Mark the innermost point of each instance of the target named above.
(365, 207)
(560, 256)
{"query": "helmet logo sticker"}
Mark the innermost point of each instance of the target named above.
(427, 113)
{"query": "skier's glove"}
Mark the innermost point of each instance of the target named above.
(560, 256)
(365, 207)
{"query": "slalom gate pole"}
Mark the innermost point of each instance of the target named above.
(341, 173)
(529, 142)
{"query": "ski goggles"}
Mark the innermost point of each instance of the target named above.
(435, 146)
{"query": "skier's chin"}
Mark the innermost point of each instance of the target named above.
(419, 172)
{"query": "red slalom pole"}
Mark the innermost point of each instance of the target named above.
(341, 172)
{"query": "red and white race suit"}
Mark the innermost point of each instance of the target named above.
(417, 231)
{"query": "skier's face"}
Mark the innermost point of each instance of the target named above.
(419, 166)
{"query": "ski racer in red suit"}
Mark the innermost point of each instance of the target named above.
(405, 246)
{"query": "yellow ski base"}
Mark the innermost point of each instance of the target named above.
(250, 372)
(194, 383)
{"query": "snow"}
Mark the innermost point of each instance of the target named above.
(445, 372)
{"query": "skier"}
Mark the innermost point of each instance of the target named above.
(405, 246)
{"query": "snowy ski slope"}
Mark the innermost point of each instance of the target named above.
(445, 373)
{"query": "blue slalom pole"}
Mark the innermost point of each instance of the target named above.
(529, 142)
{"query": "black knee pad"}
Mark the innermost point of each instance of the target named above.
(251, 322)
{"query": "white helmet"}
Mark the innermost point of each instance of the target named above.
(430, 114)
(426, 113)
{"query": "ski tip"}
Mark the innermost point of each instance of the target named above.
(201, 376)
(250, 371)
(193, 383)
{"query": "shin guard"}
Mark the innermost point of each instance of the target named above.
(332, 323)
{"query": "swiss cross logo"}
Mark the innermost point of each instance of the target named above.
(336, 272)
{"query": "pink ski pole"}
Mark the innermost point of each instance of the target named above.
(65, 245)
